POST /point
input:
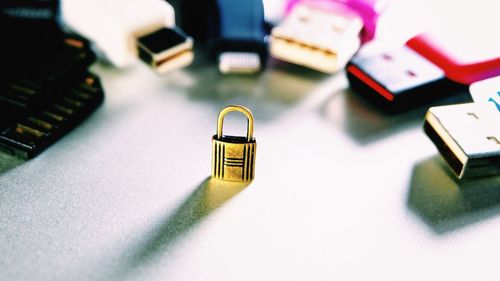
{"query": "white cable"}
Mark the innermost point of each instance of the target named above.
(114, 26)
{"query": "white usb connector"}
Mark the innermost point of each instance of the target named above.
(125, 30)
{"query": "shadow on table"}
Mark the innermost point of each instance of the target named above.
(268, 93)
(364, 122)
(8, 162)
(208, 196)
(444, 203)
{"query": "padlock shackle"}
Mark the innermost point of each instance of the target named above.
(239, 108)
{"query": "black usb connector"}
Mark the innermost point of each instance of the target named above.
(241, 44)
(399, 80)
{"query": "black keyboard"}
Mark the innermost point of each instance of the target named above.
(46, 96)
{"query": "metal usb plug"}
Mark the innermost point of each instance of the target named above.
(239, 62)
(317, 38)
(122, 31)
(165, 49)
(468, 138)
(240, 46)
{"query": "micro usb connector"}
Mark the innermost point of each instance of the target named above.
(165, 49)
(468, 138)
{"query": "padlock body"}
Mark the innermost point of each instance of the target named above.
(233, 158)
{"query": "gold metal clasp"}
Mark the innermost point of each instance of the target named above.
(239, 108)
(234, 157)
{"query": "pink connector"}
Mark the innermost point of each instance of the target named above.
(324, 34)
(368, 10)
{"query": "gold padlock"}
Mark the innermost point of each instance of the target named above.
(234, 156)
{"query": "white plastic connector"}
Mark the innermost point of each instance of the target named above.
(114, 25)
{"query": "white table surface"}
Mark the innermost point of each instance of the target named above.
(342, 191)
